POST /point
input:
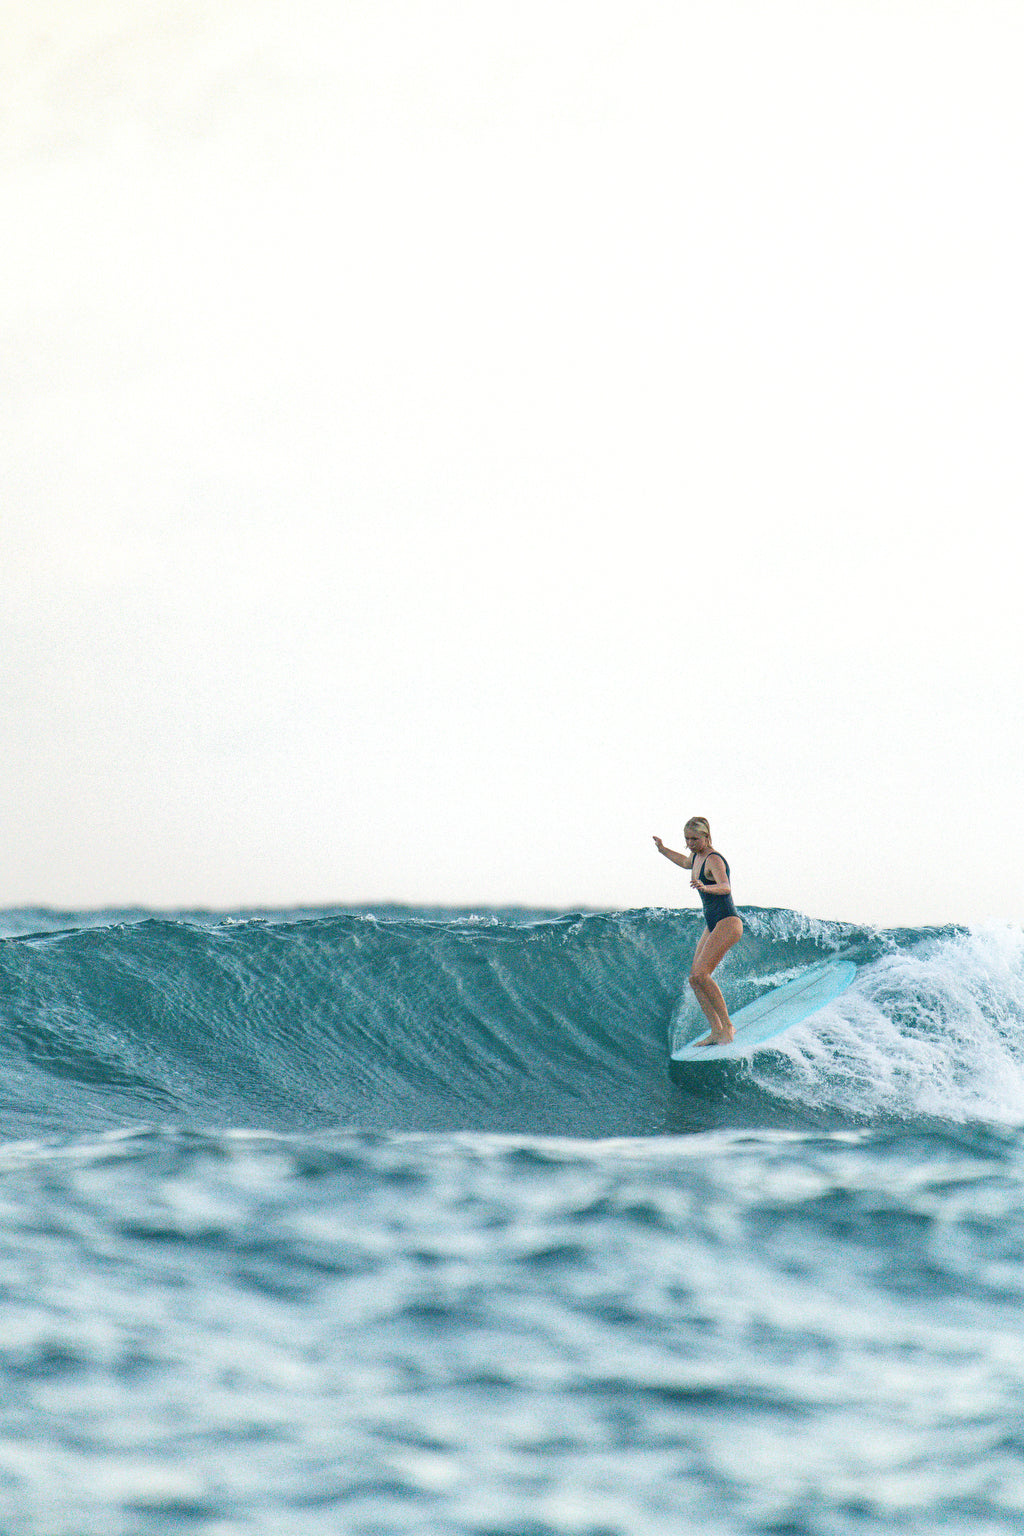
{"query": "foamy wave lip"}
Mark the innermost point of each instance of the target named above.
(933, 1030)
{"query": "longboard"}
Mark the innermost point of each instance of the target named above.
(770, 1015)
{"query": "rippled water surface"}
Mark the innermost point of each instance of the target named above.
(775, 1305)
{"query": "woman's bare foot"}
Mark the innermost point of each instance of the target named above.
(719, 1039)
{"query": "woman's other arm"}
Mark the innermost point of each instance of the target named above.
(682, 859)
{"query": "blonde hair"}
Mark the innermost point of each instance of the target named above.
(698, 824)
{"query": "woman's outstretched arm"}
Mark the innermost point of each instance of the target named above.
(684, 860)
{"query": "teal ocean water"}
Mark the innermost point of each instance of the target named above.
(402, 1222)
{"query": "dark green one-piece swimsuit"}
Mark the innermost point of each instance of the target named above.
(715, 907)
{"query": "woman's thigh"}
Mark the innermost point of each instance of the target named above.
(698, 963)
(713, 945)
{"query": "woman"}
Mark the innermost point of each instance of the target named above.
(710, 880)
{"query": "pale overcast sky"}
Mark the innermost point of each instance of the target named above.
(446, 442)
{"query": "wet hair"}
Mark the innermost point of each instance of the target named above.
(698, 824)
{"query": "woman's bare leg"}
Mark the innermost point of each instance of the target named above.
(710, 949)
(697, 971)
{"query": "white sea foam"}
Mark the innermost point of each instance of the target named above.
(936, 1029)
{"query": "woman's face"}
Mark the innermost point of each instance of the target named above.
(696, 841)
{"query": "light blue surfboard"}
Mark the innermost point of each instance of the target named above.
(770, 1015)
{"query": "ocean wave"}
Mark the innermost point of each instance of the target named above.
(495, 1022)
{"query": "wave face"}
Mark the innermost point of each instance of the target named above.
(510, 1022)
